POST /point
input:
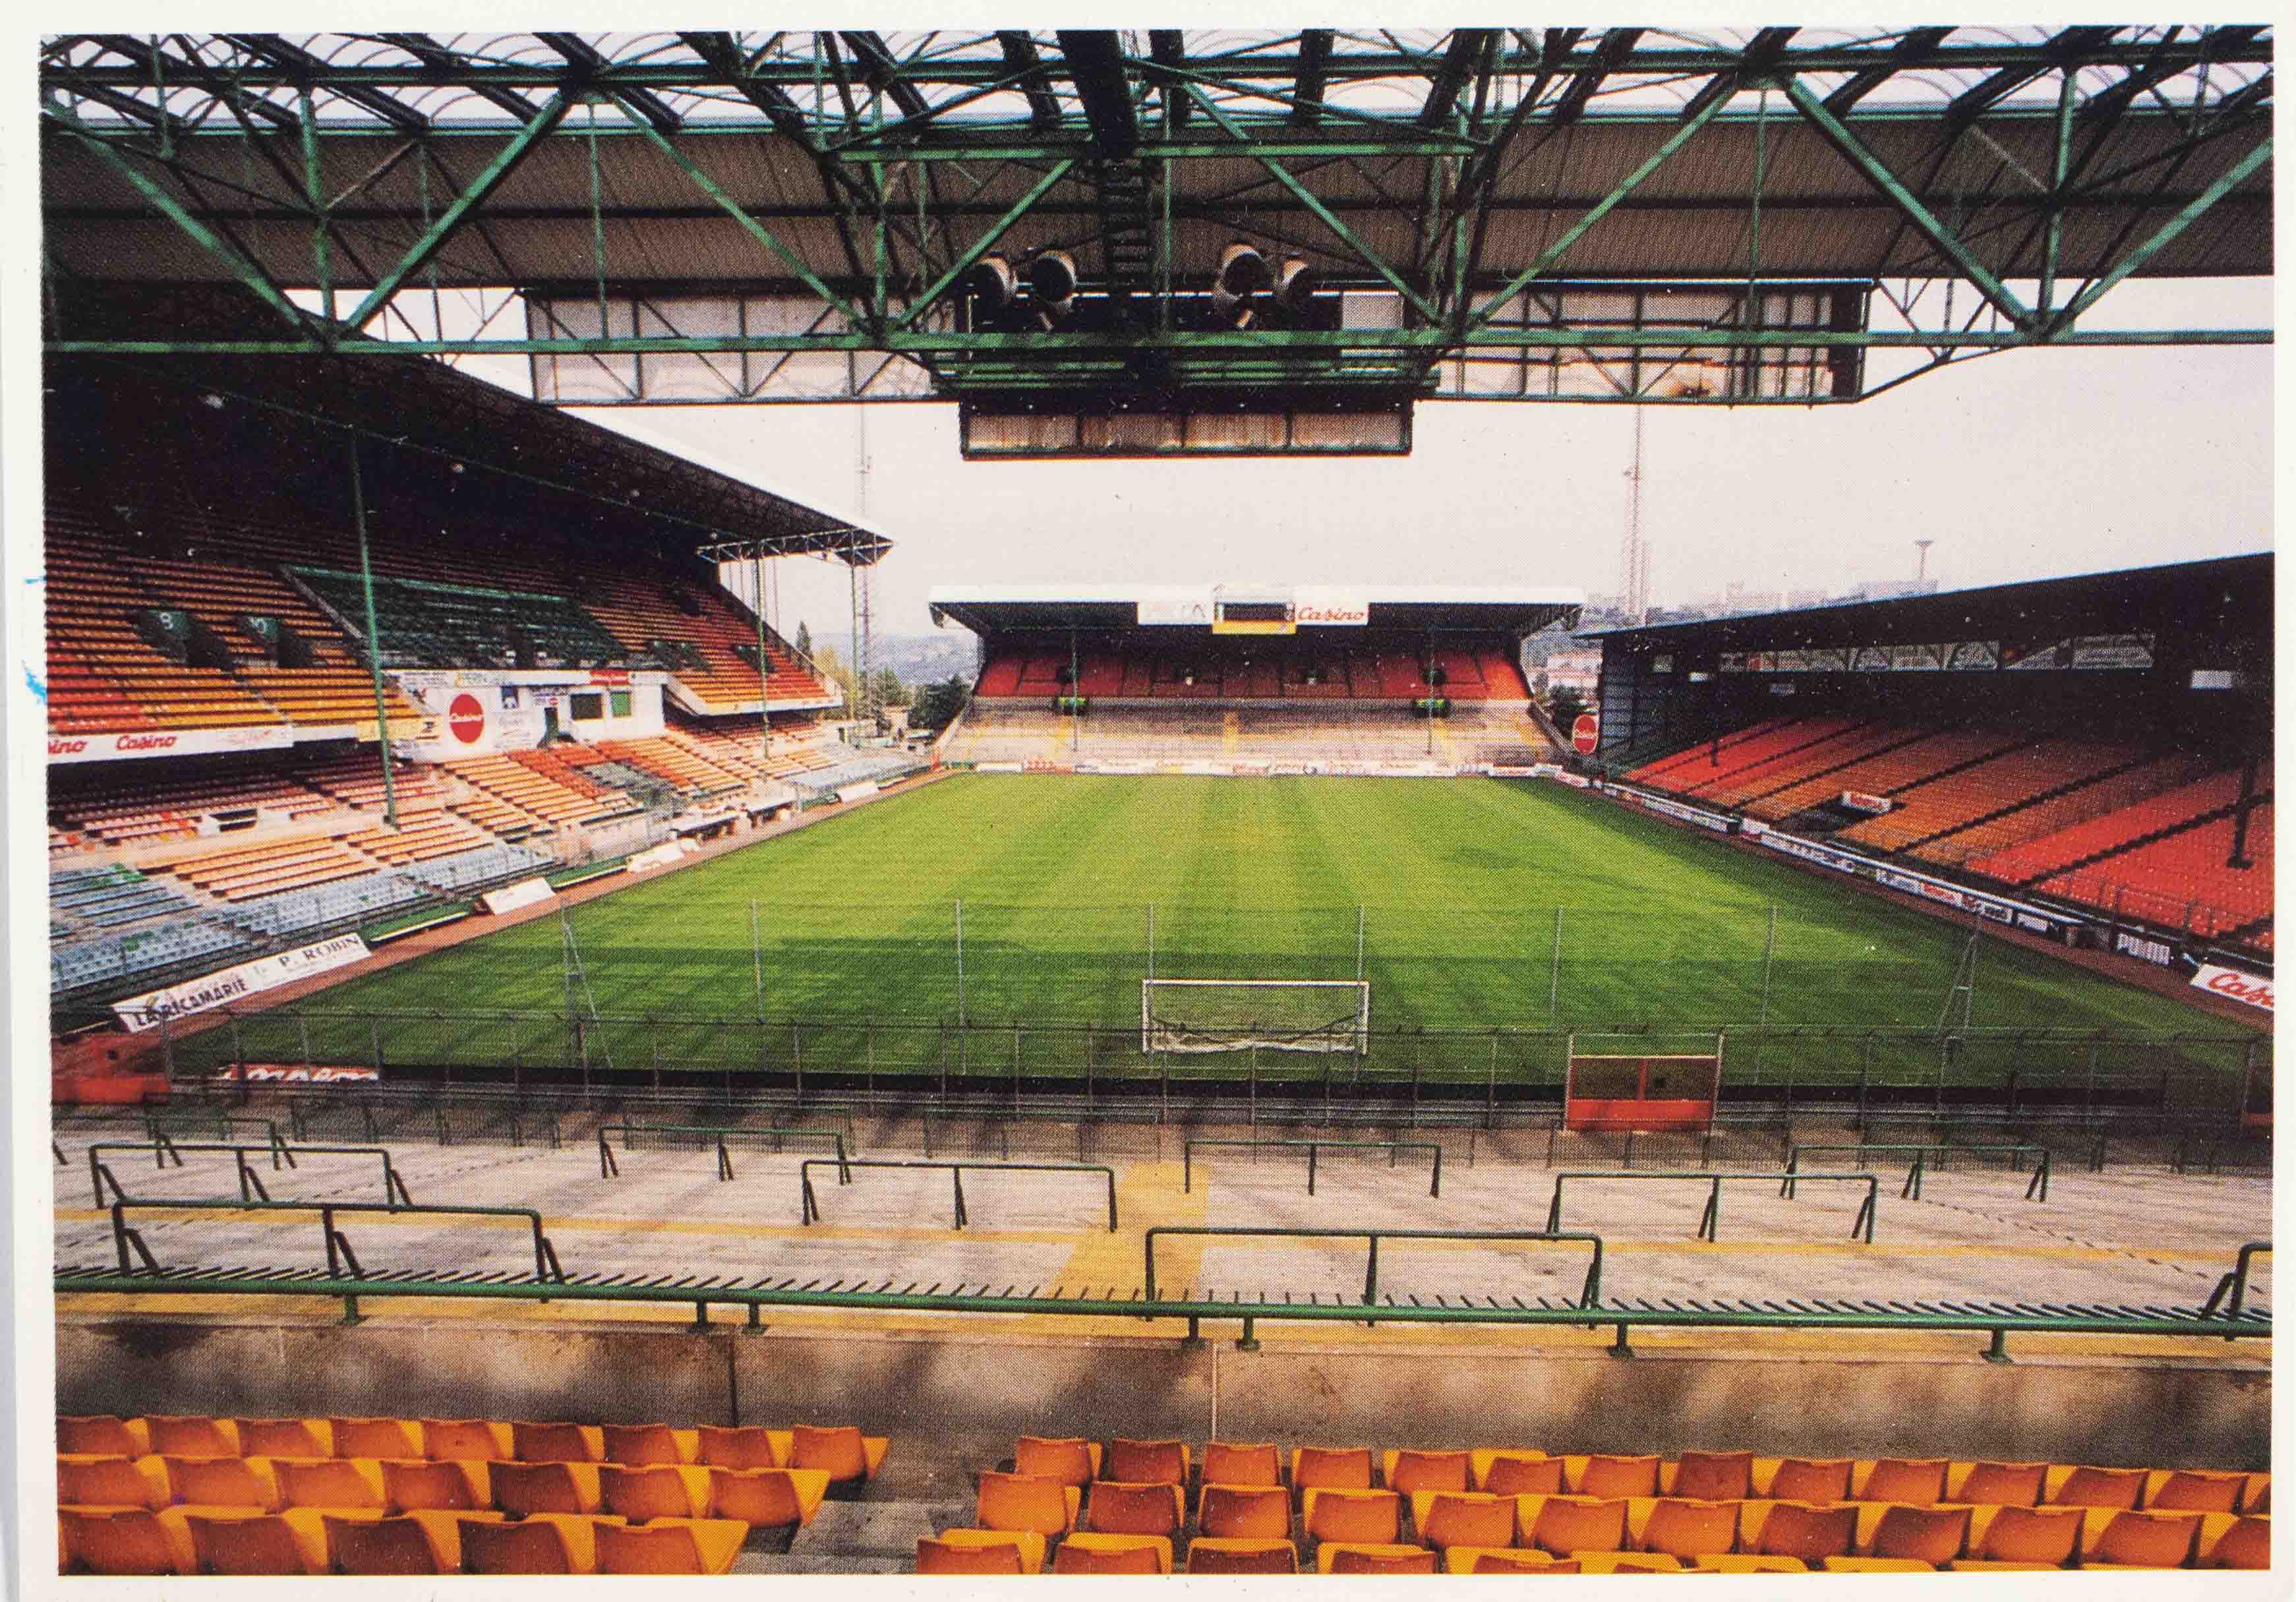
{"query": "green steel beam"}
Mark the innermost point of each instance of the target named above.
(1363, 252)
(2192, 212)
(981, 247)
(1571, 235)
(1872, 169)
(489, 177)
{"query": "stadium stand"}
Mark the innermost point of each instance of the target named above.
(2013, 779)
(2184, 878)
(1906, 756)
(2061, 850)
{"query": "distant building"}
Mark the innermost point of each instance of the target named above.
(1578, 669)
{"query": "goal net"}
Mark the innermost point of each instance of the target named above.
(1236, 1014)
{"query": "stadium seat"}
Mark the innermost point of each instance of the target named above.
(1515, 1474)
(219, 1484)
(1374, 1557)
(125, 1541)
(2235, 1542)
(331, 1484)
(1565, 1524)
(1337, 1467)
(1628, 1563)
(556, 1442)
(1610, 1474)
(376, 1437)
(1071, 1462)
(2001, 1484)
(1748, 1563)
(294, 1542)
(193, 1437)
(286, 1438)
(2067, 1486)
(1802, 1479)
(112, 1482)
(1920, 1480)
(654, 1491)
(1329, 1513)
(641, 1445)
(2259, 1499)
(544, 1544)
(419, 1485)
(1934, 1536)
(1147, 1462)
(102, 1434)
(2020, 1536)
(747, 1447)
(468, 1440)
(1222, 1555)
(1512, 1560)
(1443, 1519)
(1122, 1507)
(1874, 1566)
(1044, 1509)
(2190, 1491)
(524, 1488)
(1232, 1463)
(959, 1552)
(841, 1451)
(769, 1498)
(1253, 1512)
(2123, 1538)
(694, 1546)
(1711, 1477)
(1086, 1553)
(395, 1545)
(1808, 1530)
(1683, 1527)
(1407, 1471)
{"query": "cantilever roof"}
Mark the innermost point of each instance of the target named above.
(990, 609)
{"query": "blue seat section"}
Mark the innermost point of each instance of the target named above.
(857, 769)
(290, 911)
(486, 863)
(75, 964)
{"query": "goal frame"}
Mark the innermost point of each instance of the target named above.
(1358, 1037)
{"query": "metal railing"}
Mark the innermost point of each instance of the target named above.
(1710, 1220)
(2037, 1188)
(1394, 1148)
(252, 1187)
(609, 1166)
(157, 1123)
(810, 1205)
(2232, 1290)
(340, 1254)
(1590, 1295)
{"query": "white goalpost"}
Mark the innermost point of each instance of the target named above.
(1238, 1015)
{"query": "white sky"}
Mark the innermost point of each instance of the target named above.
(2025, 465)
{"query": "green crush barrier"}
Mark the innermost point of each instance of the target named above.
(2232, 1290)
(809, 1204)
(1860, 1227)
(608, 1167)
(2037, 1188)
(339, 1255)
(1394, 1148)
(252, 1187)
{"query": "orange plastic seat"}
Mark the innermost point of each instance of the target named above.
(1875, 1566)
(1335, 1467)
(1444, 1519)
(1087, 1553)
(654, 1491)
(125, 1541)
(1370, 1557)
(1116, 1507)
(1513, 1476)
(749, 1446)
(1407, 1471)
(394, 1546)
(2235, 1542)
(112, 1482)
(223, 1483)
(192, 1437)
(1808, 1530)
(1256, 1512)
(1683, 1527)
(1070, 1461)
(102, 1434)
(1747, 1562)
(940, 1555)
(840, 1452)
(1919, 1481)
(2002, 1485)
(2083, 1487)
(1486, 1560)
(1808, 1480)
(774, 1498)
(411, 1485)
(544, 1544)
(468, 1440)
(2126, 1539)
(1228, 1554)
(1614, 1474)
(524, 1488)
(646, 1445)
(336, 1484)
(376, 1437)
(1713, 1477)
(1234, 1463)
(694, 1546)
(285, 1438)
(2187, 1490)
(1935, 1536)
(1565, 1524)
(294, 1542)
(1147, 1462)
(552, 1441)
(1628, 1563)
(2016, 1533)
(1022, 1502)
(1328, 1512)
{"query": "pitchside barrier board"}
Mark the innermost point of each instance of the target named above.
(150, 1009)
(1642, 1093)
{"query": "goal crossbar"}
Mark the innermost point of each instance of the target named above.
(1239, 1015)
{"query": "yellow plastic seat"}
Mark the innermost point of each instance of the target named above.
(2234, 1540)
(1406, 1471)
(1918, 1482)
(114, 1482)
(125, 1541)
(1505, 1560)
(524, 1488)
(1443, 1519)
(2123, 1537)
(2192, 1491)
(647, 1445)
(286, 1437)
(544, 1544)
(841, 1451)
(1148, 1462)
(376, 1437)
(1360, 1517)
(1374, 1557)
(1563, 1525)
(749, 1446)
(1022, 1502)
(671, 1546)
(1335, 1467)
(102, 1434)
(1242, 1463)
(1253, 1512)
(1070, 1461)
(293, 1542)
(1683, 1527)
(192, 1437)
(454, 1485)
(556, 1442)
(468, 1440)
(654, 1491)
(772, 1497)
(963, 1552)
(1242, 1555)
(1710, 1476)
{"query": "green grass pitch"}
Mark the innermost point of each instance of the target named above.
(1065, 881)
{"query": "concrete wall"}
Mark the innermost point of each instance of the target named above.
(969, 1394)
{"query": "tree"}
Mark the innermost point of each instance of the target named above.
(936, 705)
(804, 640)
(890, 690)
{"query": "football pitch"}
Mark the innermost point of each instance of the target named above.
(1034, 904)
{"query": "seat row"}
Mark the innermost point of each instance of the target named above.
(840, 1452)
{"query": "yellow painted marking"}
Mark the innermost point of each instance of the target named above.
(1231, 733)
